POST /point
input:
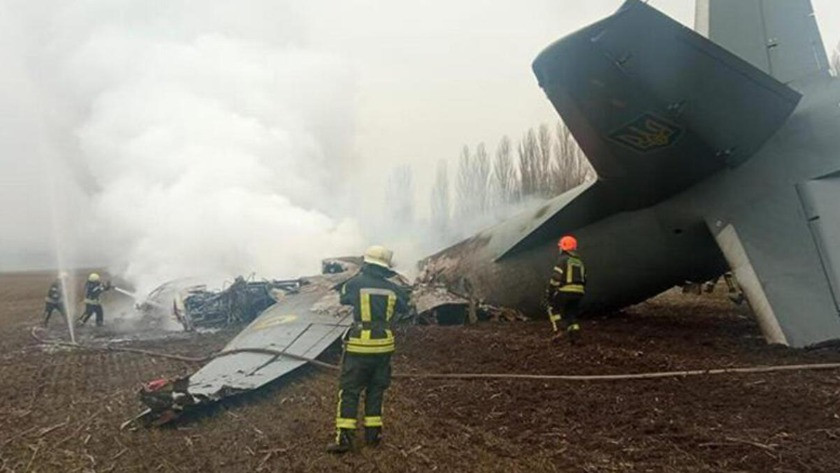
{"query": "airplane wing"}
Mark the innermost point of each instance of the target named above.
(655, 106)
(290, 326)
(303, 324)
(779, 37)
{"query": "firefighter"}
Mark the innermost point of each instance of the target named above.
(566, 289)
(55, 298)
(368, 345)
(94, 288)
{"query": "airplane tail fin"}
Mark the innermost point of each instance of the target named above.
(779, 37)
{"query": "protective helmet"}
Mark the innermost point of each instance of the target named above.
(567, 243)
(378, 255)
(93, 277)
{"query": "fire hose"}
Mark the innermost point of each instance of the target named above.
(457, 376)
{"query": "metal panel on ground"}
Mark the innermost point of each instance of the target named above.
(288, 326)
(303, 324)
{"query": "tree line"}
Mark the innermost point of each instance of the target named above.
(543, 163)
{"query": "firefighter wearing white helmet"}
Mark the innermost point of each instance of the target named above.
(93, 303)
(369, 343)
(378, 255)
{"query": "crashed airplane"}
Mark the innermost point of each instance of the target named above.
(712, 153)
(305, 320)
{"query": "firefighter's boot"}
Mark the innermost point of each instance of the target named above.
(573, 332)
(373, 436)
(344, 441)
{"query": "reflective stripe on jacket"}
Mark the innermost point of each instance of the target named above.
(569, 274)
(93, 291)
(375, 301)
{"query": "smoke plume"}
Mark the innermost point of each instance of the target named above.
(207, 137)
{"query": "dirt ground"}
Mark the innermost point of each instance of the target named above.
(60, 411)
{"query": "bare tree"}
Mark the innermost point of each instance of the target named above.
(464, 185)
(565, 159)
(473, 176)
(548, 164)
(504, 175)
(481, 177)
(440, 201)
(570, 167)
(527, 151)
(545, 146)
(399, 196)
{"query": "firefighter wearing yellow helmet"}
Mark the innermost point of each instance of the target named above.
(368, 345)
(94, 287)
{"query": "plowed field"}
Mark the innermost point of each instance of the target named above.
(60, 410)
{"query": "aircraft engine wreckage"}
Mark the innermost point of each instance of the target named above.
(194, 306)
(240, 303)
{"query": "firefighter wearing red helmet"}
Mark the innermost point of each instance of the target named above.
(566, 289)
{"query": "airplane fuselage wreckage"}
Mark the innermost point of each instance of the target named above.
(712, 153)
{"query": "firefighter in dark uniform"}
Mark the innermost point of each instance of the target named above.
(55, 299)
(369, 343)
(566, 289)
(94, 288)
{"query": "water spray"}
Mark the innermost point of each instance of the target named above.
(67, 295)
(68, 303)
(136, 298)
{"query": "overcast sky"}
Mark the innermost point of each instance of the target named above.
(417, 80)
(437, 74)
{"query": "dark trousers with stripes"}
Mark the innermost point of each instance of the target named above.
(50, 307)
(93, 309)
(567, 305)
(362, 372)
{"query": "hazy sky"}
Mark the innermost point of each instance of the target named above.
(437, 74)
(364, 85)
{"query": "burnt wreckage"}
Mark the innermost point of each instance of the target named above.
(302, 318)
(195, 307)
(278, 341)
(239, 304)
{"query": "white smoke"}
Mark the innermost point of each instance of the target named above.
(209, 137)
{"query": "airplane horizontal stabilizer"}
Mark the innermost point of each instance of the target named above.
(655, 106)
